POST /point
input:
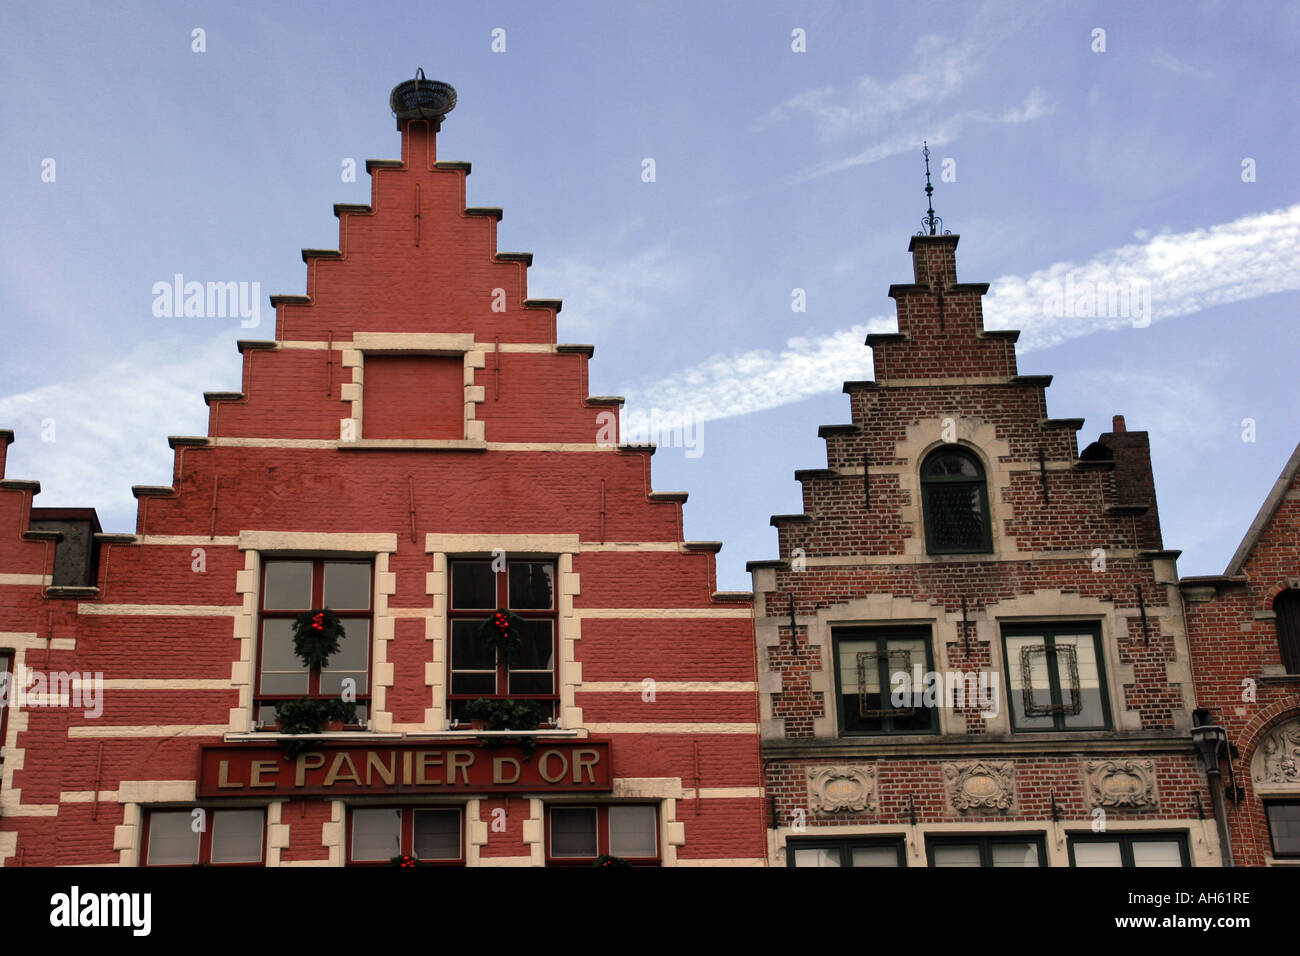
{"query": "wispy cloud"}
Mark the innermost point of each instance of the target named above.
(109, 429)
(1184, 272)
(609, 293)
(1167, 61)
(942, 68)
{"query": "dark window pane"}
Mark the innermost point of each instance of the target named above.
(474, 683)
(473, 585)
(1284, 824)
(354, 648)
(530, 683)
(531, 586)
(537, 653)
(468, 649)
(288, 586)
(1287, 608)
(437, 834)
(573, 832)
(347, 586)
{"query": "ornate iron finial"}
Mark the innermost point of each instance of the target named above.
(931, 224)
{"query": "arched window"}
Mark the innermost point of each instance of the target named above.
(956, 503)
(1287, 608)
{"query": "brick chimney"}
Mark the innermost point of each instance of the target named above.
(420, 105)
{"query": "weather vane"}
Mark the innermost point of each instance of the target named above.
(931, 222)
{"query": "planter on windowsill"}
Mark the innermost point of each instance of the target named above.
(506, 715)
(310, 716)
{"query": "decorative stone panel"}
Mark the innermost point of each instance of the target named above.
(1121, 783)
(1277, 758)
(831, 789)
(980, 784)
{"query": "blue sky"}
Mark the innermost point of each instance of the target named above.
(775, 170)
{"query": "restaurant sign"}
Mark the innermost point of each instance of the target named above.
(563, 766)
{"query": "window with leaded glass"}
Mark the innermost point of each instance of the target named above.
(1055, 677)
(955, 501)
(870, 665)
(525, 588)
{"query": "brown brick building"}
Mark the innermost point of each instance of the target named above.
(1245, 632)
(971, 649)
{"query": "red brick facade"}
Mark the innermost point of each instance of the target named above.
(1072, 542)
(1241, 676)
(475, 439)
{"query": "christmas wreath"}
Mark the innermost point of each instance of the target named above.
(606, 860)
(504, 633)
(316, 635)
(406, 859)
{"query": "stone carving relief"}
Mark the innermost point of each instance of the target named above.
(1121, 783)
(831, 789)
(981, 785)
(1277, 758)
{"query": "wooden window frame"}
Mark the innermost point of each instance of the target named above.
(1048, 630)
(408, 833)
(205, 837)
(1126, 839)
(845, 845)
(986, 842)
(602, 834)
(882, 637)
(927, 518)
(260, 699)
(502, 679)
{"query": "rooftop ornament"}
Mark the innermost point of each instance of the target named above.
(930, 224)
(422, 99)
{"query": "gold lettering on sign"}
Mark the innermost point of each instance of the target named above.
(585, 760)
(308, 761)
(544, 762)
(336, 770)
(259, 769)
(223, 776)
(406, 768)
(497, 765)
(423, 761)
(388, 773)
(460, 760)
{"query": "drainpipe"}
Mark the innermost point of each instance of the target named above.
(1211, 741)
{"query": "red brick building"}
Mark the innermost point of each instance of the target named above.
(971, 649)
(1245, 632)
(413, 451)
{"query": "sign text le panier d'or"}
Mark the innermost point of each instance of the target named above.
(436, 768)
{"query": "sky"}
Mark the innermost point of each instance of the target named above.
(1156, 156)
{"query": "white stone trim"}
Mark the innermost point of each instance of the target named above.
(410, 343)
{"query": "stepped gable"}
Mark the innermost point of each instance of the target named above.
(943, 365)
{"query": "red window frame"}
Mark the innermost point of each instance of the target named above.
(502, 583)
(261, 700)
(205, 837)
(602, 834)
(408, 834)
(6, 668)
